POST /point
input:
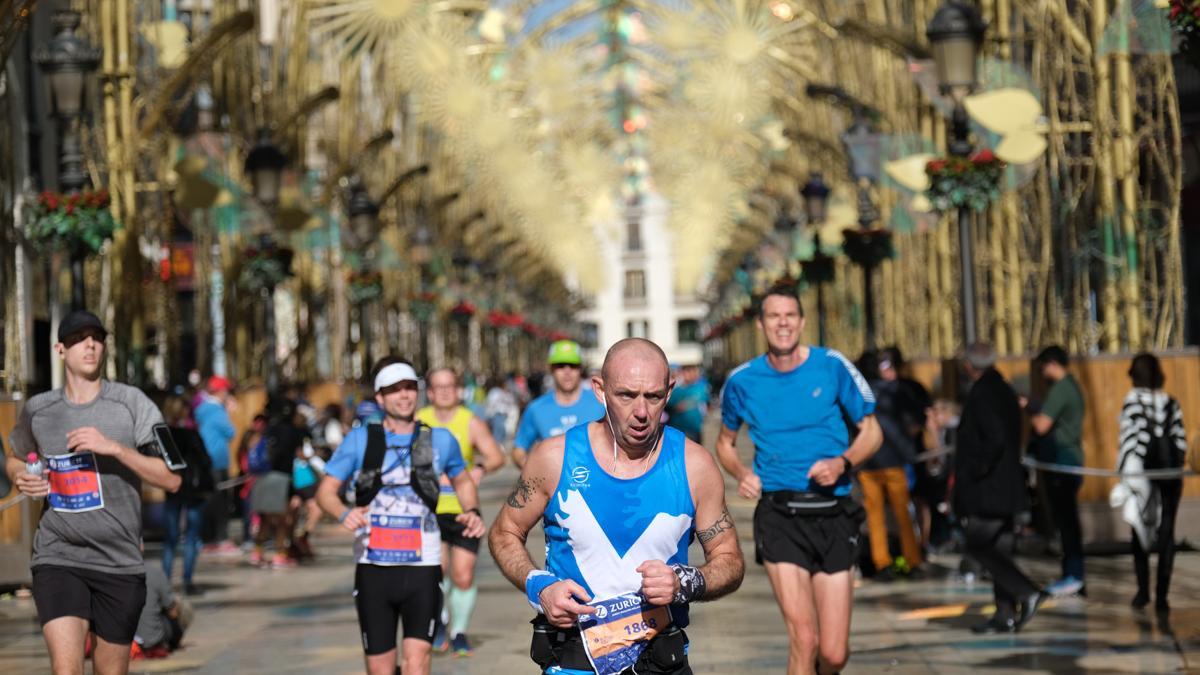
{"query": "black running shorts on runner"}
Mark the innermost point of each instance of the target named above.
(111, 602)
(387, 597)
(452, 533)
(825, 542)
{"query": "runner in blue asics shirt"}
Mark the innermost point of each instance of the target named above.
(555, 412)
(794, 399)
(621, 499)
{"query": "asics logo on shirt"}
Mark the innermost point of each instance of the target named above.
(816, 392)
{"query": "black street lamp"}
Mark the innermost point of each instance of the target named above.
(67, 61)
(819, 269)
(862, 146)
(956, 34)
(265, 164)
(363, 213)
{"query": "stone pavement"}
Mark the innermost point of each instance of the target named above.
(302, 621)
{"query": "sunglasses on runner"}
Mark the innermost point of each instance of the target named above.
(556, 366)
(75, 338)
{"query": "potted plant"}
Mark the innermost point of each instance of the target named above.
(363, 286)
(1185, 19)
(265, 266)
(78, 223)
(971, 182)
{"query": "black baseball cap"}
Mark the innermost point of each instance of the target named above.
(78, 320)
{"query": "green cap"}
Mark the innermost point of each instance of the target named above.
(565, 351)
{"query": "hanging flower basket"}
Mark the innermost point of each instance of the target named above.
(77, 223)
(265, 267)
(972, 182)
(1185, 19)
(424, 305)
(867, 248)
(364, 286)
(462, 311)
(499, 319)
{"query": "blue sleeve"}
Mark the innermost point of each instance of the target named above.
(854, 394)
(226, 425)
(449, 452)
(731, 405)
(348, 457)
(527, 433)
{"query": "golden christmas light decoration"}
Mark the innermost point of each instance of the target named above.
(362, 26)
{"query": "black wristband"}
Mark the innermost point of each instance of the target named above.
(847, 467)
(475, 510)
(691, 584)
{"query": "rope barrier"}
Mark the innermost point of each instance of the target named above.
(1154, 474)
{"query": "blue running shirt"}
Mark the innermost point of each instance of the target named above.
(796, 418)
(600, 529)
(397, 496)
(545, 418)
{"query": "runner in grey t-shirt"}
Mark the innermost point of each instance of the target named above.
(96, 439)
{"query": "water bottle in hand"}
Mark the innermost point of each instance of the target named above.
(34, 465)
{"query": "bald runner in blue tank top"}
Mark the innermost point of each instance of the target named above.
(795, 417)
(600, 528)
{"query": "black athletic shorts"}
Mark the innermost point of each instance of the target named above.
(111, 602)
(452, 533)
(387, 597)
(815, 537)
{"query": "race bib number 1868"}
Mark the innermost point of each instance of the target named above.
(74, 483)
(616, 635)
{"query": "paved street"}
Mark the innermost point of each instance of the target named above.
(302, 621)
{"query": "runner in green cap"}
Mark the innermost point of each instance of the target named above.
(554, 412)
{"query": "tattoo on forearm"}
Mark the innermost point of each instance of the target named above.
(725, 522)
(523, 491)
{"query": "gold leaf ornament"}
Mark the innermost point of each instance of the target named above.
(1016, 115)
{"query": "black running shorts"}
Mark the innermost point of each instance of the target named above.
(387, 597)
(824, 541)
(111, 602)
(452, 533)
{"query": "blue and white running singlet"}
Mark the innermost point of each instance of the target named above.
(600, 529)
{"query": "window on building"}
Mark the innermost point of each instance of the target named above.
(635, 284)
(688, 331)
(637, 329)
(633, 236)
(589, 334)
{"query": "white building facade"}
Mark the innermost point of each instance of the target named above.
(640, 299)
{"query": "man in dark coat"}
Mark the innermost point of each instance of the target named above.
(990, 487)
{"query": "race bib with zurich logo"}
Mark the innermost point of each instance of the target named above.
(617, 634)
(74, 483)
(394, 539)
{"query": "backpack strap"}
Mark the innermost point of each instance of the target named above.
(370, 476)
(424, 476)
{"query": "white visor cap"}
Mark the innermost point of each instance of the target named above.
(396, 372)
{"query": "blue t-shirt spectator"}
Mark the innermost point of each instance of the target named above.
(687, 406)
(545, 418)
(797, 418)
(212, 421)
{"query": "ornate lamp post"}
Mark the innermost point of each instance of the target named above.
(819, 269)
(956, 34)
(67, 61)
(865, 246)
(363, 214)
(265, 164)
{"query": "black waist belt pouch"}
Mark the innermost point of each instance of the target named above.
(809, 503)
(553, 646)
